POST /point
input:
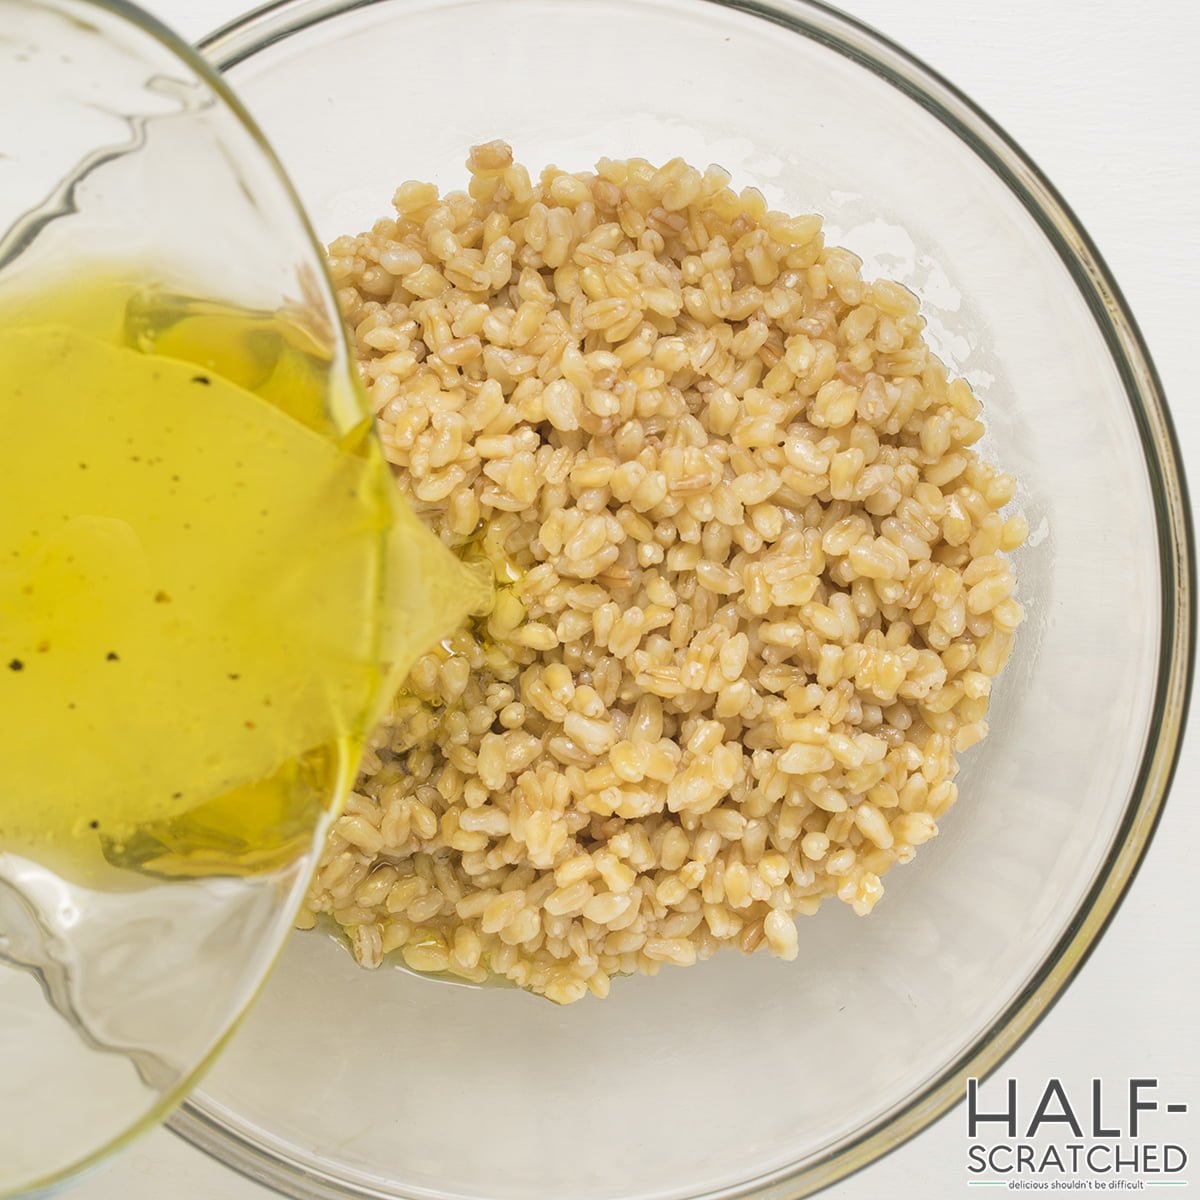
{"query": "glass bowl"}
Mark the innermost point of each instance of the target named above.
(125, 961)
(753, 1077)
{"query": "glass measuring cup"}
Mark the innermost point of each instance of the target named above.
(173, 740)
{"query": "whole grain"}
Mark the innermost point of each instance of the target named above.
(752, 577)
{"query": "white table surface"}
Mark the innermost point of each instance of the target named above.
(1106, 99)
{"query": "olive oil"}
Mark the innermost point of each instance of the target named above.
(208, 585)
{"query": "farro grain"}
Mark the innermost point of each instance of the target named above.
(752, 584)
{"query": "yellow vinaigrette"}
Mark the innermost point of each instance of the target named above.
(207, 590)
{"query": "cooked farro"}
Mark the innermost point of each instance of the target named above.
(752, 584)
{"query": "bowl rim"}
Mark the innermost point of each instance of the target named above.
(276, 20)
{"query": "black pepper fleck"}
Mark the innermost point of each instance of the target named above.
(201, 379)
(16, 665)
(93, 824)
(234, 676)
(112, 656)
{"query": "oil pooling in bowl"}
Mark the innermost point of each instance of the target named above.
(206, 591)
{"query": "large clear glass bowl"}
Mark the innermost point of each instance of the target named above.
(752, 1077)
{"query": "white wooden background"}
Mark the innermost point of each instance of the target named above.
(1106, 99)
